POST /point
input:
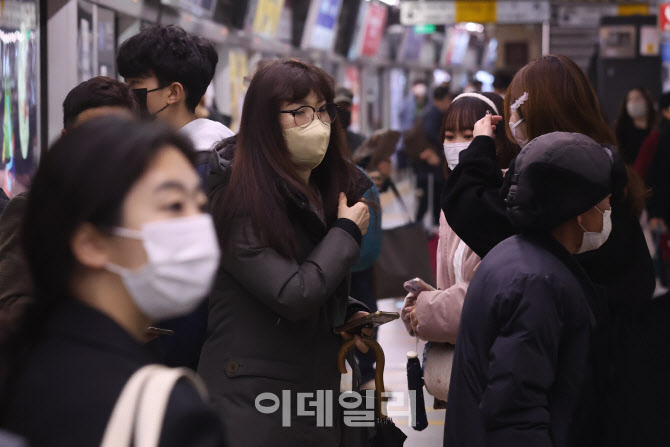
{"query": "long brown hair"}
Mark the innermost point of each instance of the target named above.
(263, 175)
(561, 98)
(464, 113)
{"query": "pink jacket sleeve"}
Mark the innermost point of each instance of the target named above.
(439, 313)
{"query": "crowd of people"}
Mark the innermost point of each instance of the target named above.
(150, 236)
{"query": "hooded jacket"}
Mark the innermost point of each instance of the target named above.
(271, 321)
(523, 374)
(205, 134)
(473, 203)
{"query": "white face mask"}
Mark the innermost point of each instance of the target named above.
(183, 256)
(308, 145)
(420, 90)
(636, 109)
(592, 240)
(452, 151)
(513, 127)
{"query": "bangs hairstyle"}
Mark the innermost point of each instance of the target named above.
(264, 175)
(465, 112)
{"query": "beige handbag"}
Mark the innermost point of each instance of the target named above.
(437, 369)
(137, 418)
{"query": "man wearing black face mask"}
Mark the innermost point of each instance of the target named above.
(169, 71)
(344, 98)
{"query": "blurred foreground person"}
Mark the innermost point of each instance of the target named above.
(125, 246)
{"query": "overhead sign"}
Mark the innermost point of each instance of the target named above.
(482, 11)
(427, 13)
(584, 16)
(425, 29)
(664, 17)
(523, 12)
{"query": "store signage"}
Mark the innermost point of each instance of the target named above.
(321, 24)
(664, 17)
(267, 17)
(375, 22)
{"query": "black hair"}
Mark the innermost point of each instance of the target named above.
(664, 101)
(83, 178)
(172, 55)
(502, 80)
(465, 112)
(440, 92)
(96, 92)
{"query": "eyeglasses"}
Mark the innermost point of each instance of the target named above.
(303, 116)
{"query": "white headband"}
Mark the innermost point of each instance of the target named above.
(519, 102)
(478, 96)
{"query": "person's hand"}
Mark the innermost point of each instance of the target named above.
(149, 336)
(430, 157)
(414, 320)
(358, 213)
(366, 332)
(657, 224)
(408, 306)
(486, 126)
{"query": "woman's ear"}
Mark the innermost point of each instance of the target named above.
(89, 246)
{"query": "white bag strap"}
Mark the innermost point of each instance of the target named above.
(137, 418)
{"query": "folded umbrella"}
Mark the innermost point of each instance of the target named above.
(384, 433)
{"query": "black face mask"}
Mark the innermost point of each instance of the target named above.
(141, 97)
(345, 118)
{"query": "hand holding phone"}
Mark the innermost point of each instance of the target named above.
(417, 285)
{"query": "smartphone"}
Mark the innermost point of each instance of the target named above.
(372, 320)
(159, 331)
(418, 285)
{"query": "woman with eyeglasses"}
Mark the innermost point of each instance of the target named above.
(287, 206)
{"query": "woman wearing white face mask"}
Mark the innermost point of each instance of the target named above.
(287, 206)
(115, 239)
(637, 117)
(434, 316)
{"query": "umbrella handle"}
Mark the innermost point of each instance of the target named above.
(379, 369)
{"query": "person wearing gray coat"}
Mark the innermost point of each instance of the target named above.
(289, 241)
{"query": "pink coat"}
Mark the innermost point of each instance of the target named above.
(439, 312)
